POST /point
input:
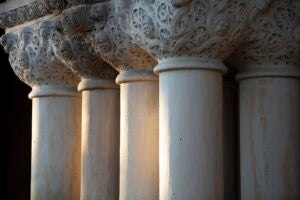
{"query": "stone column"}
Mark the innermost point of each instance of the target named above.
(100, 109)
(139, 135)
(269, 78)
(269, 131)
(139, 103)
(190, 40)
(56, 113)
(190, 113)
(56, 124)
(100, 139)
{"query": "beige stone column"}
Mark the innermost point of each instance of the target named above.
(56, 112)
(100, 139)
(269, 82)
(190, 115)
(56, 124)
(139, 103)
(139, 135)
(100, 108)
(269, 133)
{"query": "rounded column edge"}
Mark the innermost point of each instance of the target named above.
(189, 63)
(53, 90)
(136, 75)
(97, 83)
(250, 72)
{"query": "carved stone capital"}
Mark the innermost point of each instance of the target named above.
(112, 40)
(273, 42)
(74, 49)
(108, 36)
(189, 28)
(32, 58)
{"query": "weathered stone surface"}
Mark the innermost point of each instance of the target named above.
(73, 47)
(32, 58)
(16, 12)
(109, 38)
(199, 28)
(272, 38)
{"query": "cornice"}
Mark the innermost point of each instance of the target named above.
(17, 12)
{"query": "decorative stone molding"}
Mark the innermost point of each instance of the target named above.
(73, 48)
(189, 28)
(22, 14)
(15, 14)
(32, 58)
(273, 40)
(59, 5)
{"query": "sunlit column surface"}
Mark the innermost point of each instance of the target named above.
(100, 139)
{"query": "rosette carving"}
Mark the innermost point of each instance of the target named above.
(189, 28)
(273, 37)
(32, 58)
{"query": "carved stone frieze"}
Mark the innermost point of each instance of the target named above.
(189, 28)
(22, 14)
(273, 37)
(35, 9)
(60, 5)
(74, 49)
(32, 58)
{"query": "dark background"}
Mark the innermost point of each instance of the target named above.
(15, 139)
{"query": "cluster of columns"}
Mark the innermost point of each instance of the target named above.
(123, 111)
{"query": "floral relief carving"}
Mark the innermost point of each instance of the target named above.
(72, 46)
(113, 42)
(105, 37)
(197, 28)
(32, 59)
(273, 37)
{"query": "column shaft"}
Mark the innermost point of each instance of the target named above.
(190, 130)
(139, 141)
(270, 138)
(56, 137)
(100, 142)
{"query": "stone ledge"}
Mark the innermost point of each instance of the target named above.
(16, 12)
